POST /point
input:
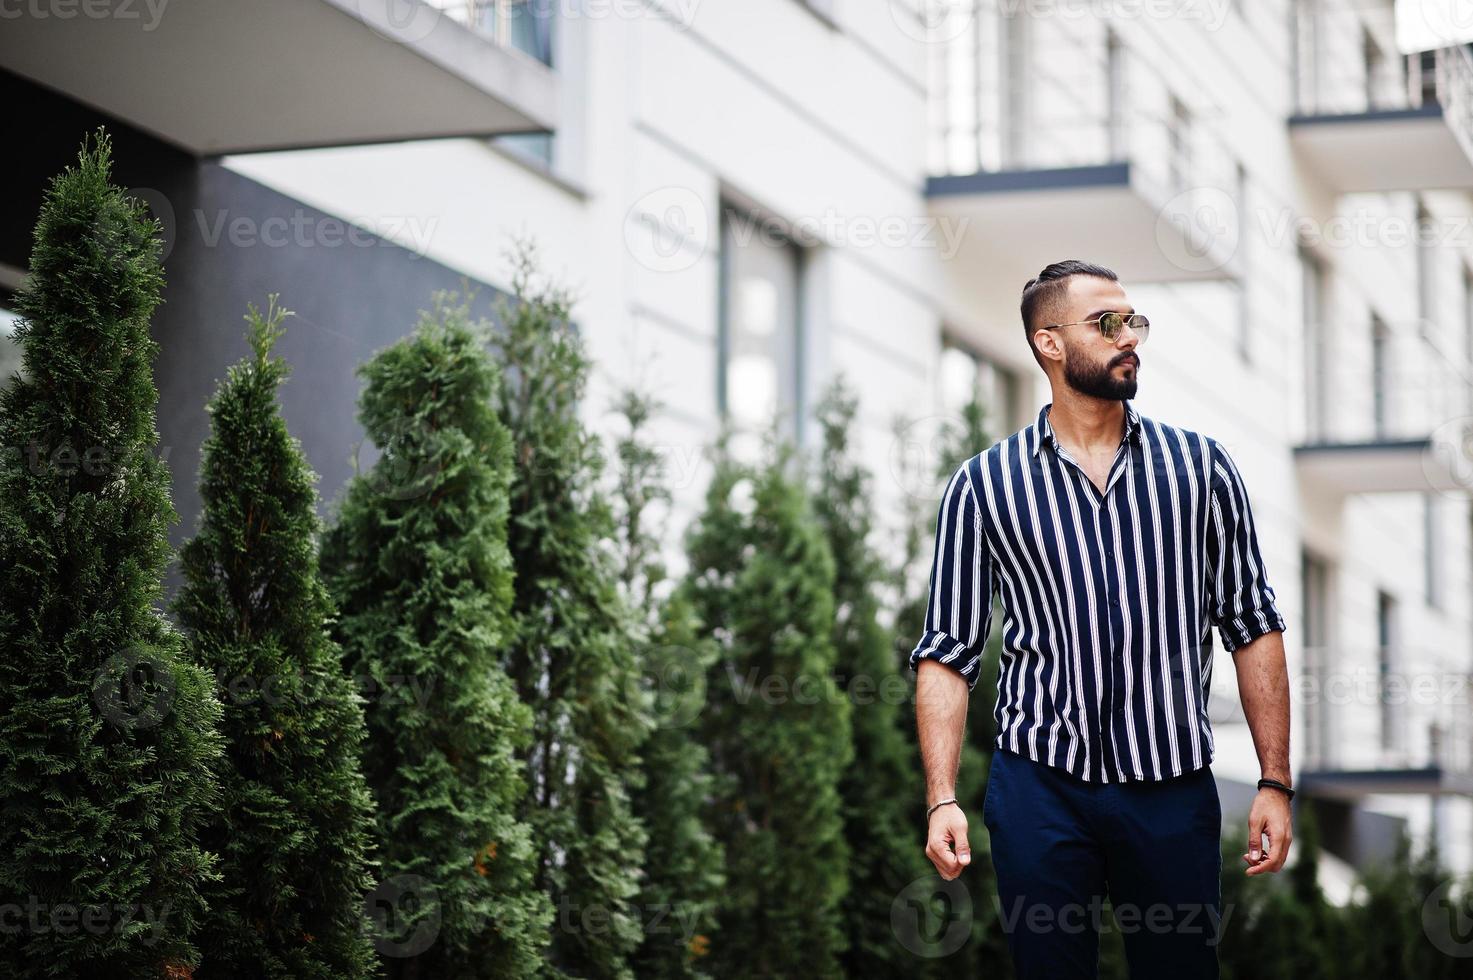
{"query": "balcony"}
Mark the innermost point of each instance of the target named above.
(217, 76)
(1401, 124)
(1079, 149)
(1394, 415)
(1372, 729)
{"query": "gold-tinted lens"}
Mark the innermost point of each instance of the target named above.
(1110, 324)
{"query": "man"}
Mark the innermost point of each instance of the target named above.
(1116, 542)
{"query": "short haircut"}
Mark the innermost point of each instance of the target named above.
(1044, 295)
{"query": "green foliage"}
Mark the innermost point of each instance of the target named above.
(761, 579)
(419, 564)
(986, 951)
(683, 861)
(886, 843)
(295, 830)
(107, 731)
(574, 650)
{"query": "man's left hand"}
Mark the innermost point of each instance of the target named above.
(1271, 818)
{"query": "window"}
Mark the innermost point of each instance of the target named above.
(1313, 305)
(522, 25)
(1115, 94)
(1179, 136)
(1013, 61)
(1424, 259)
(1304, 25)
(1374, 64)
(965, 375)
(1319, 722)
(525, 25)
(1380, 376)
(1467, 313)
(1386, 628)
(759, 346)
(1430, 550)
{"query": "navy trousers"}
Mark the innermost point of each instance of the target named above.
(1061, 844)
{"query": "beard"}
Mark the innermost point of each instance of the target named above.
(1097, 381)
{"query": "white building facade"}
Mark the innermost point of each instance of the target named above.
(752, 198)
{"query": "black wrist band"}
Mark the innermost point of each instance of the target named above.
(1276, 785)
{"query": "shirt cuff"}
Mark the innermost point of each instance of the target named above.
(947, 649)
(1242, 630)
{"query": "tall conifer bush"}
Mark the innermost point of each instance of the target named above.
(683, 862)
(296, 826)
(986, 952)
(108, 733)
(761, 578)
(880, 790)
(574, 652)
(418, 562)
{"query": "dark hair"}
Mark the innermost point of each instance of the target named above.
(1045, 293)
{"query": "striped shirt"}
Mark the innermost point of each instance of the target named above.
(1107, 597)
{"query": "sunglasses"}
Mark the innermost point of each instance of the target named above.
(1111, 323)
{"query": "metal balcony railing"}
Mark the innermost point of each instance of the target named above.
(1394, 712)
(1387, 381)
(1016, 91)
(1336, 77)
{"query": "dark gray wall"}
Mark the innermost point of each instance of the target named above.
(350, 296)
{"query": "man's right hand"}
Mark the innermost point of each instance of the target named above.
(946, 843)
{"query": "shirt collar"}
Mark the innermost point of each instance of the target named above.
(1043, 432)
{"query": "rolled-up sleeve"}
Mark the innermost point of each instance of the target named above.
(959, 607)
(1241, 602)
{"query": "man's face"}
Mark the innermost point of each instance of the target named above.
(1093, 365)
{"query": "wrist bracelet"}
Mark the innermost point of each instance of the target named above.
(1276, 785)
(937, 807)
